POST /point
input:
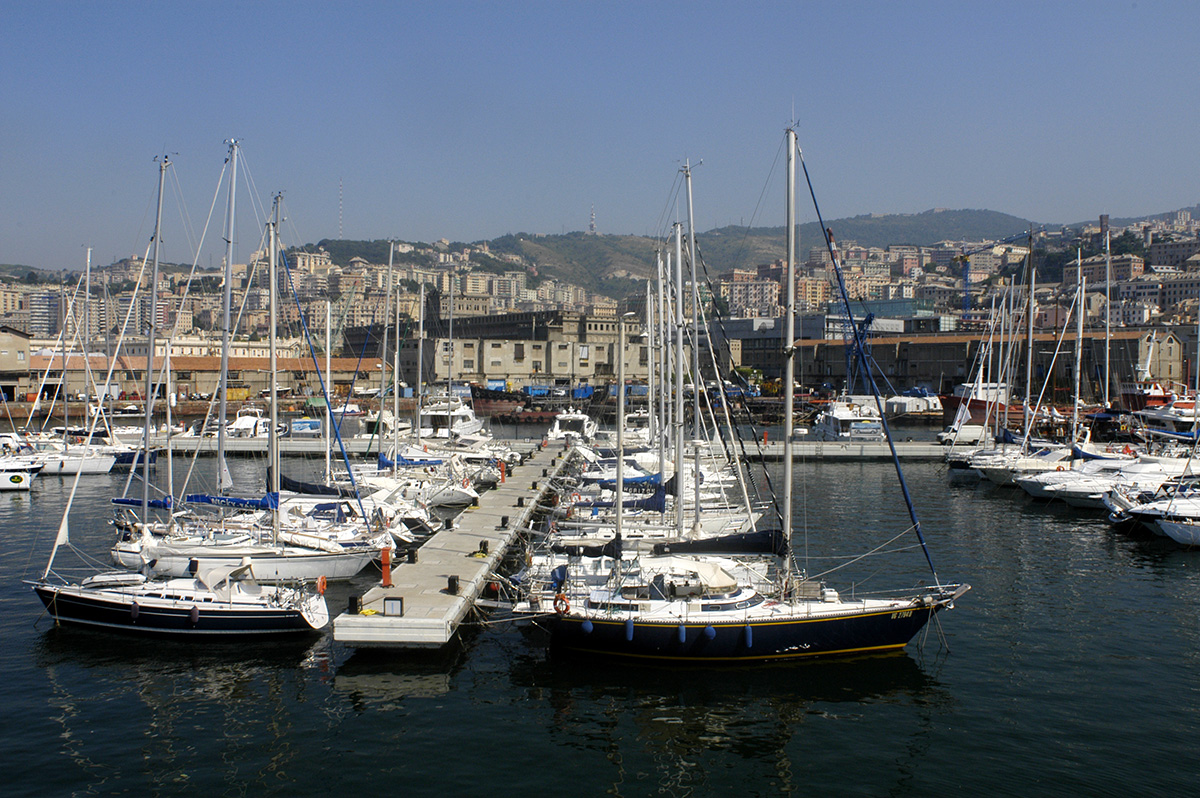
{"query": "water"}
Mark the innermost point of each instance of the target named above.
(1072, 671)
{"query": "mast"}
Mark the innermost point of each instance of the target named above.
(395, 387)
(697, 383)
(450, 364)
(273, 439)
(387, 312)
(650, 388)
(679, 379)
(163, 163)
(1029, 347)
(789, 352)
(660, 430)
(1107, 312)
(420, 361)
(224, 481)
(620, 420)
(1079, 288)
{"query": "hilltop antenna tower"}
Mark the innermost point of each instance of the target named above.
(339, 209)
(592, 225)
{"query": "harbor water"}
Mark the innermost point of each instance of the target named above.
(1071, 670)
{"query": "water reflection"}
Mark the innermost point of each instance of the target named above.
(187, 712)
(696, 728)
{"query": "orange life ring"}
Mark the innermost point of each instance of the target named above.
(1128, 449)
(576, 497)
(321, 585)
(561, 605)
(1060, 468)
(466, 481)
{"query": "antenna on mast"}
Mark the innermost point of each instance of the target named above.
(592, 224)
(339, 209)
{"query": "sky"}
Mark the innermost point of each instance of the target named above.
(468, 121)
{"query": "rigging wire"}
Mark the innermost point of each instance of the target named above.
(837, 268)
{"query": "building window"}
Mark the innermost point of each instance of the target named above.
(468, 365)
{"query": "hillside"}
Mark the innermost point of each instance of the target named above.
(606, 263)
(615, 265)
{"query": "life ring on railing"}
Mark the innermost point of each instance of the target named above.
(1127, 450)
(321, 585)
(561, 605)
(576, 497)
(466, 481)
(1060, 468)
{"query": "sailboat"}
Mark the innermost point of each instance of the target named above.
(224, 600)
(709, 610)
(306, 548)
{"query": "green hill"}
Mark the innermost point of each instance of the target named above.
(616, 265)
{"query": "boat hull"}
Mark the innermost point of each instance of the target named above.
(16, 480)
(735, 641)
(111, 610)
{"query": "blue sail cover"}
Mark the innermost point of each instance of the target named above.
(154, 504)
(268, 502)
(643, 482)
(404, 462)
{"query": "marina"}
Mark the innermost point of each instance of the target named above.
(1055, 700)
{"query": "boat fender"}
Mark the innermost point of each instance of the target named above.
(749, 636)
(321, 584)
(710, 632)
(133, 610)
(629, 629)
(586, 627)
(194, 615)
(561, 605)
(682, 633)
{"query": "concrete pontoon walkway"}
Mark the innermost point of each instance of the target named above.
(418, 610)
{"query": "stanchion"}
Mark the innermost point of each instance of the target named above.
(386, 565)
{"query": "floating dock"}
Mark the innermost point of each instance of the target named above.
(770, 451)
(429, 598)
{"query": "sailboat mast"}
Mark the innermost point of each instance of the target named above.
(1107, 313)
(273, 439)
(664, 409)
(395, 384)
(328, 387)
(420, 363)
(651, 387)
(226, 322)
(152, 325)
(1029, 344)
(679, 379)
(789, 339)
(387, 318)
(620, 503)
(1079, 294)
(697, 383)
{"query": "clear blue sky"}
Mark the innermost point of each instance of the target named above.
(471, 120)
